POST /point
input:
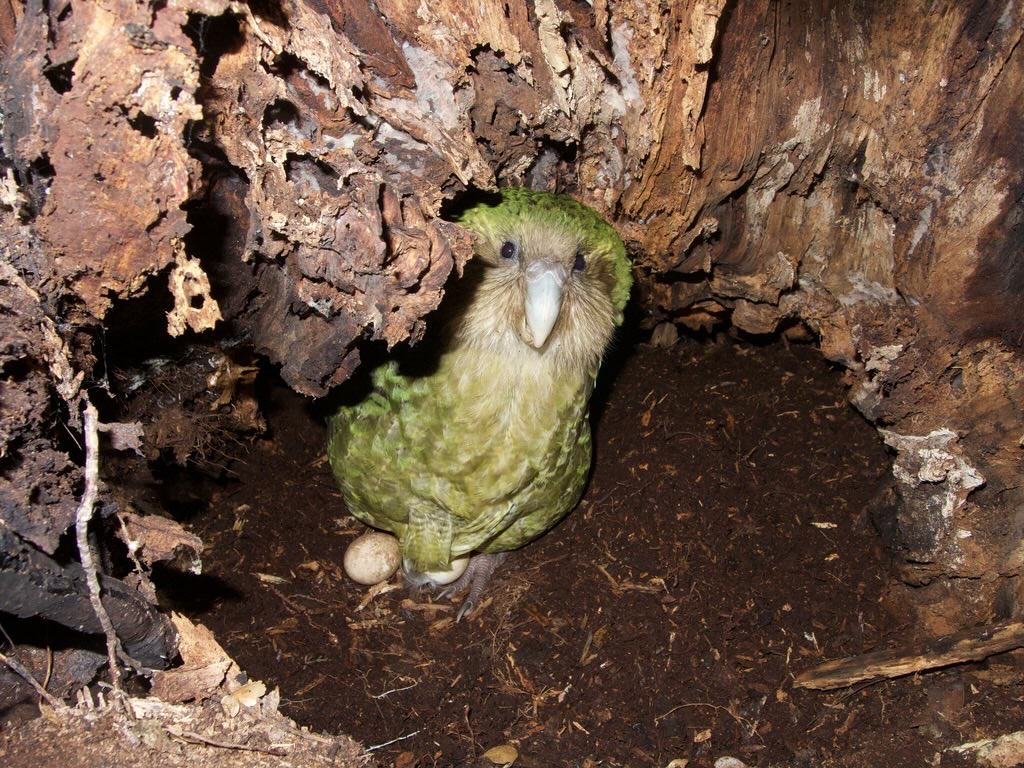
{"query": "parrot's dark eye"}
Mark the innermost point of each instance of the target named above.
(581, 262)
(509, 250)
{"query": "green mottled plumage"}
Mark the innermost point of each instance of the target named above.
(487, 446)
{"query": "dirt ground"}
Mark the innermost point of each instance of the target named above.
(722, 548)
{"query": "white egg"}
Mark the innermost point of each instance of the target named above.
(372, 558)
(458, 567)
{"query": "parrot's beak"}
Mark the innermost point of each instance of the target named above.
(544, 283)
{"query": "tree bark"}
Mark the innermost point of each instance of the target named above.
(34, 585)
(286, 166)
(967, 645)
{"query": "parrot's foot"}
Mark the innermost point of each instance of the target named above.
(476, 577)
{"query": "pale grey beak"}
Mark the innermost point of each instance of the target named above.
(544, 283)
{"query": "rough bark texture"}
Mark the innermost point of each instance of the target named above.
(32, 584)
(283, 166)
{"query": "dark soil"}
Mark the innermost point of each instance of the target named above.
(722, 548)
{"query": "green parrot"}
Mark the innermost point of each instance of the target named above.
(480, 442)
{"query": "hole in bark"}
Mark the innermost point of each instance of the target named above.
(554, 161)
(671, 277)
(16, 369)
(311, 175)
(219, 235)
(60, 76)
(144, 124)
(287, 64)
(135, 330)
(36, 178)
(453, 207)
(286, 116)
(212, 38)
(270, 10)
(281, 112)
(41, 169)
(956, 381)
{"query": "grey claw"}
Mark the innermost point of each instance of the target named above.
(450, 591)
(477, 574)
(468, 606)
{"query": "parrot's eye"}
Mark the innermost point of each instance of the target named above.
(509, 250)
(581, 262)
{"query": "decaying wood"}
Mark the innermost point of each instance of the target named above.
(969, 645)
(38, 480)
(25, 675)
(33, 584)
(288, 168)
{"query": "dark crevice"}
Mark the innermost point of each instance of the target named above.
(144, 124)
(60, 75)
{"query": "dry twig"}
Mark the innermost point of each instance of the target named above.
(969, 645)
(19, 669)
(83, 516)
(197, 738)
